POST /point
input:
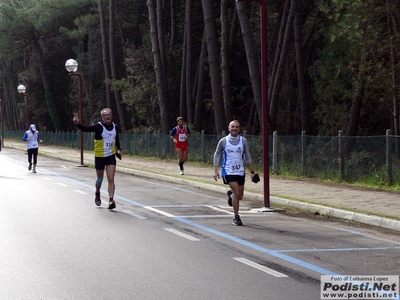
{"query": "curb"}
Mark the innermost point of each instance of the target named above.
(371, 220)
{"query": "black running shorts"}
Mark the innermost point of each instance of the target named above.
(230, 178)
(100, 163)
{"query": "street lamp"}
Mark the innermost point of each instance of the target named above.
(264, 96)
(72, 66)
(22, 89)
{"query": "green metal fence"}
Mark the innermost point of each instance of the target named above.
(331, 158)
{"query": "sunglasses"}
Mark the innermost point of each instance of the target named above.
(106, 115)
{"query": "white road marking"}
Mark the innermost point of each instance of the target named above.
(259, 267)
(80, 192)
(184, 235)
(218, 209)
(135, 215)
(203, 216)
(159, 211)
(62, 184)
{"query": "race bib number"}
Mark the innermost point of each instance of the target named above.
(182, 137)
(236, 166)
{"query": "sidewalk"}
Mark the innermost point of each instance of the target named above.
(376, 208)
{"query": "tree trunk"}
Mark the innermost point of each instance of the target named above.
(106, 64)
(188, 71)
(213, 60)
(182, 91)
(173, 25)
(226, 60)
(278, 49)
(253, 59)
(395, 79)
(158, 69)
(201, 78)
(9, 104)
(161, 41)
(301, 78)
(117, 94)
(89, 83)
(356, 105)
(51, 104)
(352, 126)
(276, 88)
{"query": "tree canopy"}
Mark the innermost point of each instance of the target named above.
(333, 64)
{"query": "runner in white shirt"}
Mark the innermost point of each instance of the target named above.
(106, 147)
(235, 151)
(32, 138)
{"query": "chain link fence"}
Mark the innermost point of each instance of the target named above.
(370, 159)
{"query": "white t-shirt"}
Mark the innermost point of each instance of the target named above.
(233, 158)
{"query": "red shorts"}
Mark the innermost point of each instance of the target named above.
(183, 147)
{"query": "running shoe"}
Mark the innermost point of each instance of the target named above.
(97, 199)
(236, 221)
(182, 173)
(33, 170)
(30, 167)
(230, 195)
(111, 205)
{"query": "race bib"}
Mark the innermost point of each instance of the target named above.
(182, 137)
(236, 166)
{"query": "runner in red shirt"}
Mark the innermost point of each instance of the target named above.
(180, 135)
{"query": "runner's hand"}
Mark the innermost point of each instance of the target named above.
(216, 175)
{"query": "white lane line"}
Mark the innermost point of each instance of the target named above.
(203, 216)
(135, 215)
(259, 267)
(364, 234)
(62, 184)
(218, 209)
(47, 178)
(184, 235)
(80, 192)
(159, 211)
(243, 214)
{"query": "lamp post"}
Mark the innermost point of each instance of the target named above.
(72, 66)
(22, 89)
(264, 96)
(2, 123)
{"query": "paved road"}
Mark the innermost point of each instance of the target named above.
(376, 208)
(164, 240)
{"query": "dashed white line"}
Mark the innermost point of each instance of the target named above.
(184, 235)
(218, 209)
(260, 267)
(159, 211)
(62, 184)
(203, 216)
